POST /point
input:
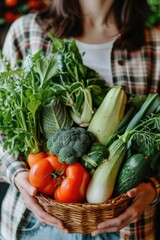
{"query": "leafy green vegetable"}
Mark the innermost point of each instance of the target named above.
(77, 86)
(53, 117)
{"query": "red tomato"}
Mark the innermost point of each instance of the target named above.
(73, 187)
(58, 166)
(41, 176)
(36, 157)
(11, 3)
(51, 187)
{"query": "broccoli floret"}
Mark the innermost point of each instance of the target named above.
(80, 147)
(67, 155)
(69, 144)
(52, 138)
(55, 148)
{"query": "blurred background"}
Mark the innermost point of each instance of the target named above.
(10, 10)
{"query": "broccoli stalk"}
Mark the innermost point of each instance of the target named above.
(69, 144)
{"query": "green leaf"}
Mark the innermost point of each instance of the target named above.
(54, 116)
(46, 68)
(58, 44)
(79, 100)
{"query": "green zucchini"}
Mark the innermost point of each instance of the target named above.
(134, 171)
(102, 183)
(108, 115)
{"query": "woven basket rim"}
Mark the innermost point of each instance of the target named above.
(111, 202)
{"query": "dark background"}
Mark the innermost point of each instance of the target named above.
(3, 189)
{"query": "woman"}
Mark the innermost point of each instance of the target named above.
(112, 34)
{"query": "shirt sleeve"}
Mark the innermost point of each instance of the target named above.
(11, 47)
(9, 166)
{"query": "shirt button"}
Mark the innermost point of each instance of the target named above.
(126, 237)
(121, 62)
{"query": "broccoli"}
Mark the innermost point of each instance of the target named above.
(69, 144)
(67, 153)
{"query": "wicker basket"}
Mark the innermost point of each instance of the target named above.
(84, 217)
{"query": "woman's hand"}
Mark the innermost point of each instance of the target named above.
(142, 196)
(28, 192)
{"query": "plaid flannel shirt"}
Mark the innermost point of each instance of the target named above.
(137, 71)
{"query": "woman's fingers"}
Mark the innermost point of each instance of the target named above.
(22, 182)
(33, 205)
(28, 192)
(142, 196)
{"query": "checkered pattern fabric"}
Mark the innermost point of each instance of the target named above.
(137, 71)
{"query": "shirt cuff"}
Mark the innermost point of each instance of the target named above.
(156, 184)
(10, 166)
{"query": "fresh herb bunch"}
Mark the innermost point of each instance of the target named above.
(145, 138)
(23, 92)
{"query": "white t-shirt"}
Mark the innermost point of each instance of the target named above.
(98, 57)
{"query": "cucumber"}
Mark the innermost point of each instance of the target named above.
(134, 171)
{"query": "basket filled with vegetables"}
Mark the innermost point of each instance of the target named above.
(86, 144)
